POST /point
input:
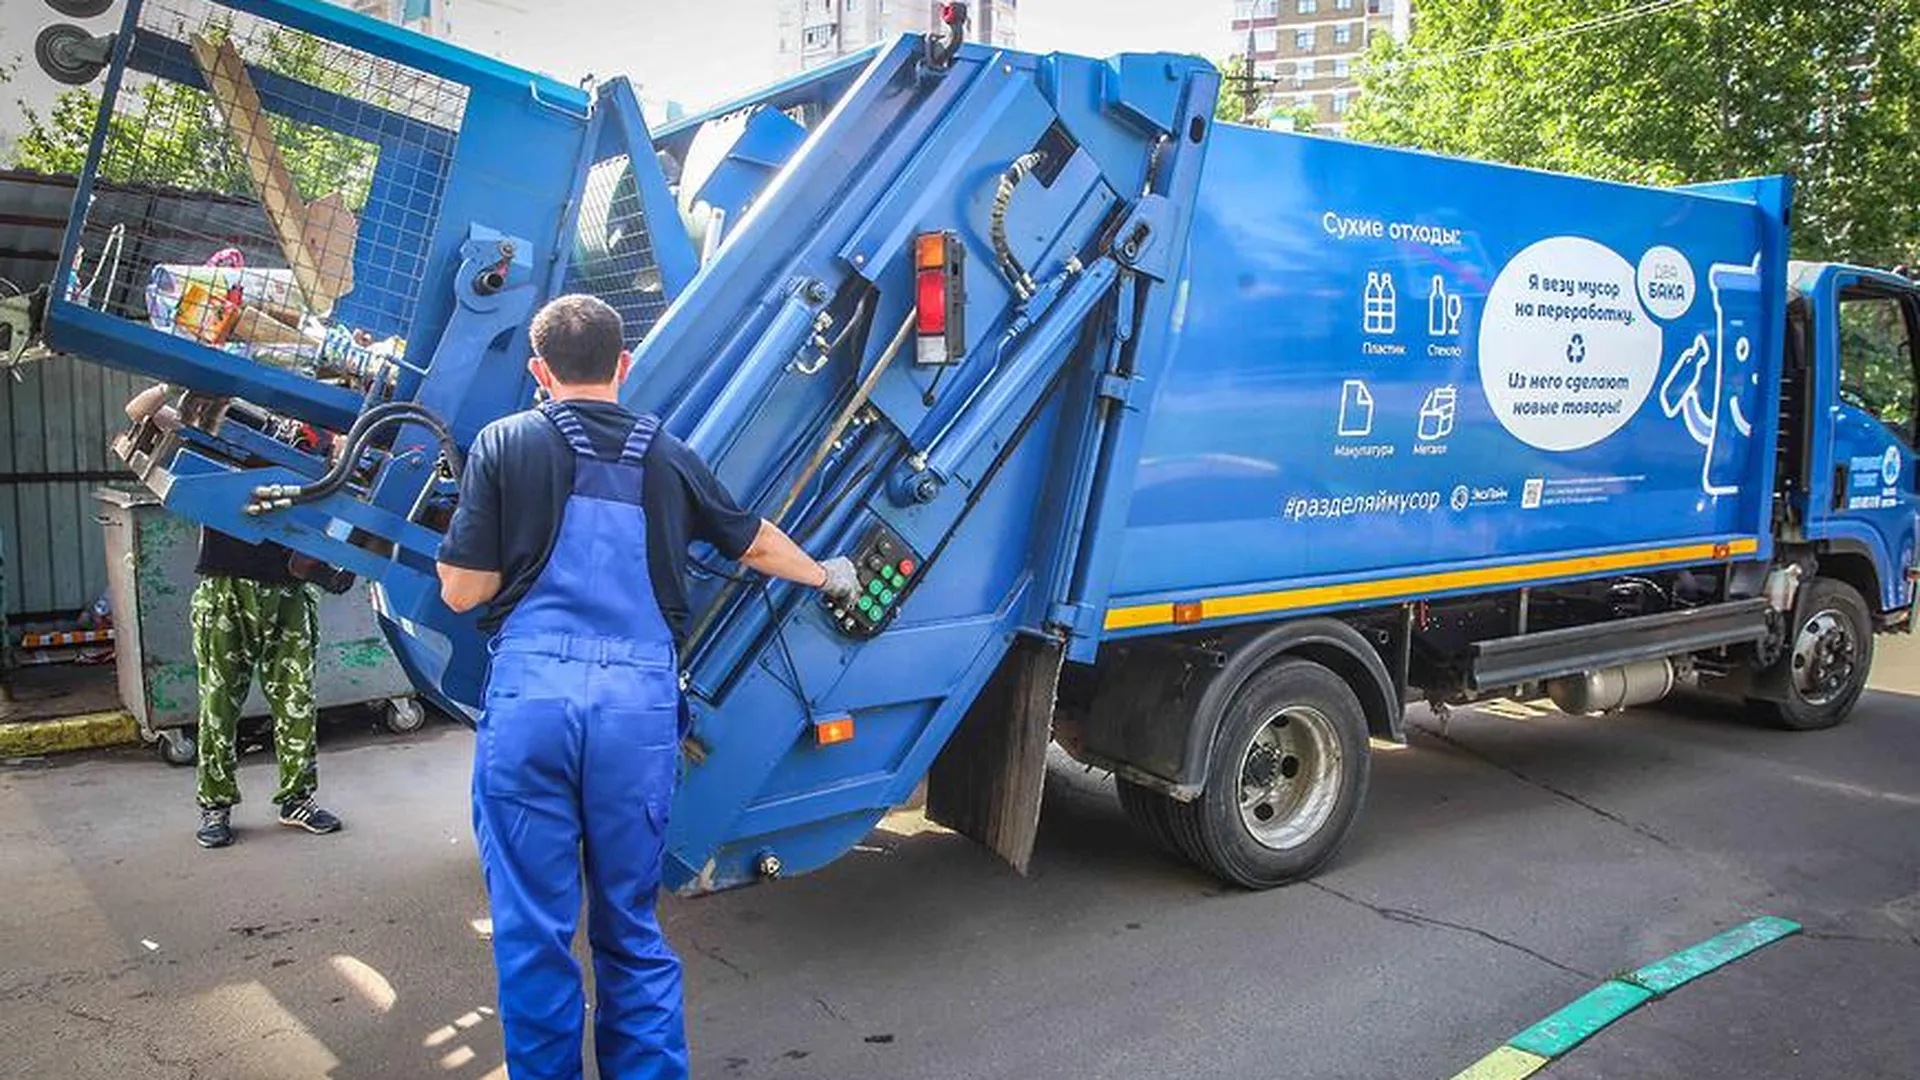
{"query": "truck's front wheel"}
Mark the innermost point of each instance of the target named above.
(1285, 780)
(1823, 667)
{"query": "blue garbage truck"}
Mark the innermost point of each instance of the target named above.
(1199, 450)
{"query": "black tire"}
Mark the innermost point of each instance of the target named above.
(1322, 711)
(1146, 811)
(1823, 668)
(53, 50)
(80, 9)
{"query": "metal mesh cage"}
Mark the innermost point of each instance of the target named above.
(295, 184)
(613, 256)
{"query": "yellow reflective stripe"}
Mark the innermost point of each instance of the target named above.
(1220, 607)
(1505, 1063)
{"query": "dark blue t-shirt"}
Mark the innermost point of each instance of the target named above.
(519, 473)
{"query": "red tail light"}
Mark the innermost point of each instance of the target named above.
(930, 297)
(939, 297)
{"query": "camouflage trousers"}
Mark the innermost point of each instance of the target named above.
(239, 627)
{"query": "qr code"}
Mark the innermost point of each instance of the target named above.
(1530, 494)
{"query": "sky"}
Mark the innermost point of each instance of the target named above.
(699, 52)
(696, 52)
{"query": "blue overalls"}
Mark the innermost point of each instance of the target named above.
(575, 760)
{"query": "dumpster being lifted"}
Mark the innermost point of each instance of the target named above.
(1195, 448)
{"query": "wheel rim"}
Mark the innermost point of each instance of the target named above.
(1825, 657)
(1290, 778)
(53, 49)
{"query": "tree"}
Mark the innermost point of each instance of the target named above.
(1240, 91)
(1675, 91)
(7, 68)
(1247, 98)
(1295, 117)
(168, 133)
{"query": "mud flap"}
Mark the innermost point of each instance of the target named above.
(986, 784)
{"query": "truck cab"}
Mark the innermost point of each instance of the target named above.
(1849, 490)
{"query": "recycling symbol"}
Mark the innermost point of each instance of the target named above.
(1577, 350)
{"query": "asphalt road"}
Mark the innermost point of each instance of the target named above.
(1504, 867)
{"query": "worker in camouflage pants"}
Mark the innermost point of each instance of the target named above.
(251, 614)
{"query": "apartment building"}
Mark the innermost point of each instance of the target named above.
(816, 32)
(1304, 53)
(429, 17)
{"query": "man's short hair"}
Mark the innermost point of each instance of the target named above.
(580, 337)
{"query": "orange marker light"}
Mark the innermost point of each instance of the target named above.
(930, 251)
(1188, 612)
(837, 730)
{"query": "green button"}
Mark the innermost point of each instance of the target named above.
(886, 597)
(876, 586)
(874, 613)
(866, 602)
(898, 581)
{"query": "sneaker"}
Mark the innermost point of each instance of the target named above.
(216, 828)
(304, 813)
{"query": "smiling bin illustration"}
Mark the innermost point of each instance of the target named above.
(1709, 382)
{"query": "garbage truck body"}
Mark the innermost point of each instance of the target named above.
(1196, 449)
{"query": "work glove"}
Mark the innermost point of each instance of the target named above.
(843, 580)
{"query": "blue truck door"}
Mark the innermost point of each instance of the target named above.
(1874, 407)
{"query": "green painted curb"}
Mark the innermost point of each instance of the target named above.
(1581, 1020)
(89, 732)
(1534, 1048)
(1668, 975)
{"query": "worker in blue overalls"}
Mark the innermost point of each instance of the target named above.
(573, 528)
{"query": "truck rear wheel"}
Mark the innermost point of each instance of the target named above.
(1146, 811)
(1823, 666)
(1285, 780)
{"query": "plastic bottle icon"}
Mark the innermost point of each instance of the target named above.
(1381, 304)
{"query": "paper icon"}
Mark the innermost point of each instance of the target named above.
(1356, 409)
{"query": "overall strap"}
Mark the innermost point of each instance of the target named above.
(564, 418)
(639, 439)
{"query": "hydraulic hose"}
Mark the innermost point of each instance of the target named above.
(340, 469)
(847, 413)
(1017, 275)
(281, 496)
(449, 449)
(1153, 164)
(862, 312)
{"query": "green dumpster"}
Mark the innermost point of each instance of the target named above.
(150, 579)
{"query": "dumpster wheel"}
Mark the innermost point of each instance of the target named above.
(176, 746)
(404, 715)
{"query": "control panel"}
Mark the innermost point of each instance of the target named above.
(888, 569)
